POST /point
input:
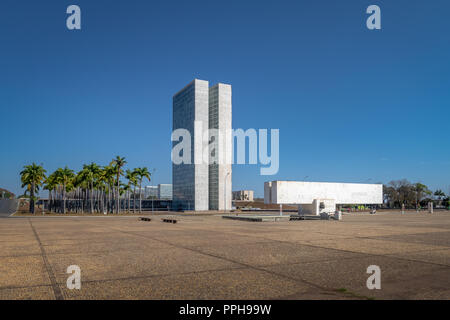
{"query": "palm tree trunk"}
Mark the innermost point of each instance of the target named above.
(129, 199)
(118, 192)
(140, 196)
(134, 200)
(64, 198)
(84, 200)
(32, 198)
(109, 198)
(54, 200)
(90, 196)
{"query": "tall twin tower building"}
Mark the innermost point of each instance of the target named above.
(203, 185)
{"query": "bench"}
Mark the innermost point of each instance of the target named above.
(169, 220)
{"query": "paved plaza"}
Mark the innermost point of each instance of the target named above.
(207, 257)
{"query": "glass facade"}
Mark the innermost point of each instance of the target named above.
(190, 181)
(214, 167)
(201, 185)
(183, 174)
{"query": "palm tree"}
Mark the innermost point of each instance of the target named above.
(141, 174)
(32, 177)
(81, 185)
(64, 177)
(117, 164)
(50, 185)
(126, 188)
(90, 174)
(132, 181)
(108, 174)
(100, 185)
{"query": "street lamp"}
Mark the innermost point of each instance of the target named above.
(153, 196)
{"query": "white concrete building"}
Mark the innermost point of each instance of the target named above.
(190, 181)
(220, 172)
(317, 197)
(243, 195)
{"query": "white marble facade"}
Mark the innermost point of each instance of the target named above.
(220, 175)
(301, 192)
(202, 185)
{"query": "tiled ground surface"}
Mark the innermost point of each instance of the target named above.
(208, 257)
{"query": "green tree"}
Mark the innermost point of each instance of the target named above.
(118, 164)
(50, 185)
(131, 176)
(64, 177)
(439, 194)
(142, 173)
(421, 190)
(108, 175)
(89, 175)
(32, 177)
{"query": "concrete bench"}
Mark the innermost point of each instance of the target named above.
(296, 218)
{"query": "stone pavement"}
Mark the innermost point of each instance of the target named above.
(207, 257)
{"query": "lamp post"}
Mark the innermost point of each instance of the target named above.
(153, 196)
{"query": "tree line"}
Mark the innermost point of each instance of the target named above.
(94, 189)
(412, 195)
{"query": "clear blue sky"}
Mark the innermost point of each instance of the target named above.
(351, 104)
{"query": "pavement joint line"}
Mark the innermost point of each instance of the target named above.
(56, 289)
(393, 240)
(63, 253)
(109, 251)
(439, 247)
(308, 262)
(165, 275)
(22, 255)
(43, 285)
(368, 254)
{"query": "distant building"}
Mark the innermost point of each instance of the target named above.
(243, 195)
(159, 192)
(164, 191)
(151, 192)
(317, 197)
(137, 190)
